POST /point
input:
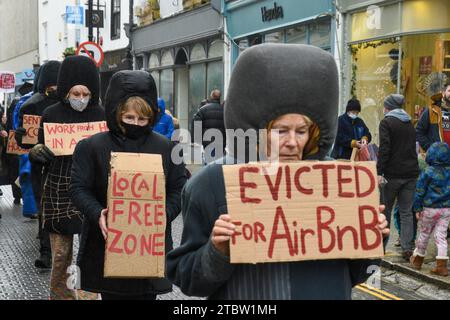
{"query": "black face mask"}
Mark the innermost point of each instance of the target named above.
(52, 95)
(135, 132)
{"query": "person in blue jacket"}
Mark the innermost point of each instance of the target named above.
(164, 125)
(352, 132)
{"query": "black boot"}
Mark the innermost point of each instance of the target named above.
(44, 261)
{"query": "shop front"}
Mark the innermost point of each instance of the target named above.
(282, 21)
(184, 53)
(395, 47)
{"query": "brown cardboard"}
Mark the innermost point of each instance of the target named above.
(137, 211)
(62, 138)
(260, 202)
(13, 147)
(31, 124)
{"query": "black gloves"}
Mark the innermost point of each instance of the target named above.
(41, 154)
(20, 132)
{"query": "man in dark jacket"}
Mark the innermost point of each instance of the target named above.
(352, 132)
(434, 125)
(398, 164)
(35, 106)
(210, 117)
(269, 82)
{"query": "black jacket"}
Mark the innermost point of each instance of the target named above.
(397, 156)
(349, 130)
(59, 214)
(429, 128)
(90, 183)
(212, 117)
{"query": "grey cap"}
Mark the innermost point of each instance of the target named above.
(271, 80)
(394, 101)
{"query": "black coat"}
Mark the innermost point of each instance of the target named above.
(89, 187)
(212, 117)
(397, 157)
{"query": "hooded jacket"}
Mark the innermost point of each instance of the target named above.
(211, 116)
(59, 214)
(48, 76)
(397, 155)
(89, 184)
(164, 123)
(433, 187)
(268, 81)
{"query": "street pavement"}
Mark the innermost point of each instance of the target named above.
(20, 280)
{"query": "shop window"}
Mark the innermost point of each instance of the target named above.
(216, 49)
(276, 37)
(166, 59)
(424, 56)
(155, 75)
(374, 76)
(425, 15)
(215, 76)
(243, 45)
(166, 88)
(197, 87)
(320, 34)
(297, 35)
(115, 19)
(198, 53)
(153, 61)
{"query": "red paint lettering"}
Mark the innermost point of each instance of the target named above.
(371, 226)
(135, 209)
(245, 185)
(117, 236)
(155, 189)
(371, 189)
(130, 239)
(325, 168)
(297, 181)
(158, 244)
(274, 189)
(324, 226)
(341, 233)
(259, 232)
(115, 210)
(303, 234)
(278, 236)
(342, 180)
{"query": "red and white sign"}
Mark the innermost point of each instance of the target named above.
(92, 51)
(7, 82)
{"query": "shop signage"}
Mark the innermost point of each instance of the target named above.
(272, 14)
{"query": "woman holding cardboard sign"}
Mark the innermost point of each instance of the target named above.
(131, 110)
(278, 88)
(78, 92)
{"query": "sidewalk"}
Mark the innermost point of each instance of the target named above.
(394, 261)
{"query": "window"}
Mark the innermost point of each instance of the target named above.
(297, 35)
(198, 53)
(115, 19)
(166, 88)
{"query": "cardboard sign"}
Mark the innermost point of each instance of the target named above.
(13, 147)
(137, 217)
(62, 138)
(303, 211)
(31, 124)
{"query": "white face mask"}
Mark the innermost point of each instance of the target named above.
(352, 116)
(79, 104)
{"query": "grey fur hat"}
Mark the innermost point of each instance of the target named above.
(271, 80)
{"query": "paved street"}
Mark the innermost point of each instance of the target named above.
(20, 280)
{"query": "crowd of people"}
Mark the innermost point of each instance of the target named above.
(273, 87)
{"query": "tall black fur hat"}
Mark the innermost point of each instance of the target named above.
(271, 80)
(48, 75)
(79, 70)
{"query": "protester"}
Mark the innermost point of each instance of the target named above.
(210, 116)
(78, 91)
(434, 125)
(397, 163)
(352, 132)
(3, 142)
(276, 87)
(131, 110)
(35, 106)
(164, 124)
(432, 203)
